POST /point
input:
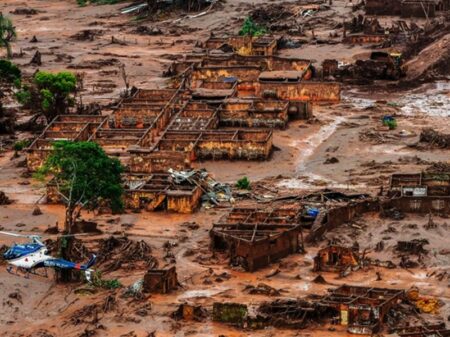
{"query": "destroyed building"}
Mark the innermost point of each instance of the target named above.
(254, 238)
(160, 281)
(363, 310)
(407, 8)
(336, 258)
(422, 192)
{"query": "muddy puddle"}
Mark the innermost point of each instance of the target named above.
(434, 101)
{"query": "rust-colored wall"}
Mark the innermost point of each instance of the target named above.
(186, 202)
(218, 73)
(363, 39)
(424, 205)
(144, 162)
(302, 91)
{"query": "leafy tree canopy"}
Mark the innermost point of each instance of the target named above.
(51, 92)
(54, 87)
(85, 174)
(9, 72)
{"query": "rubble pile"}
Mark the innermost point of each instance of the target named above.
(122, 252)
(439, 167)
(274, 16)
(435, 138)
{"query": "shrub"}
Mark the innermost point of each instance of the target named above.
(251, 28)
(97, 281)
(9, 72)
(243, 183)
(21, 144)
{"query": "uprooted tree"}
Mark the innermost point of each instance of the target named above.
(85, 178)
(51, 94)
(7, 34)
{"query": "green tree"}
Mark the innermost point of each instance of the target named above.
(85, 177)
(55, 92)
(7, 34)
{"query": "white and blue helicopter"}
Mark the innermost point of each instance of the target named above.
(32, 256)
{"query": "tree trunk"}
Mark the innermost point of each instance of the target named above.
(9, 53)
(66, 275)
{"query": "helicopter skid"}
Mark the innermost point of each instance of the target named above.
(26, 272)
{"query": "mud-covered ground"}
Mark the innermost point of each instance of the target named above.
(350, 131)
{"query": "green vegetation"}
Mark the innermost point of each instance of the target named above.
(97, 281)
(7, 34)
(23, 96)
(21, 144)
(85, 177)
(10, 73)
(250, 28)
(52, 93)
(243, 183)
(390, 122)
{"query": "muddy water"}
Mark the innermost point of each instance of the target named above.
(305, 178)
(434, 101)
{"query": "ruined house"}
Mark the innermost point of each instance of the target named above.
(336, 258)
(362, 310)
(160, 281)
(423, 192)
(63, 127)
(337, 209)
(254, 238)
(157, 191)
(407, 8)
(288, 313)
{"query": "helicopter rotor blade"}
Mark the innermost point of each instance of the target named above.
(16, 234)
(68, 235)
(31, 236)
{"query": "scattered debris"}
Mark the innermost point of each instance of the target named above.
(435, 138)
(36, 211)
(4, 200)
(261, 289)
(189, 312)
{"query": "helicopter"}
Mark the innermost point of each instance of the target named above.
(31, 256)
